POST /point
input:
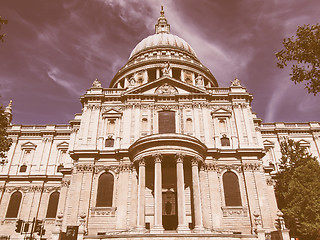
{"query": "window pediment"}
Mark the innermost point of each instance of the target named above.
(28, 145)
(112, 113)
(304, 143)
(268, 143)
(221, 112)
(63, 145)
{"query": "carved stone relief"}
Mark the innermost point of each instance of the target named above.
(84, 168)
(251, 166)
(103, 211)
(49, 189)
(270, 181)
(98, 169)
(166, 89)
(24, 189)
(220, 168)
(65, 183)
(234, 212)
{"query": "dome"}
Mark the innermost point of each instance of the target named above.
(162, 40)
(163, 54)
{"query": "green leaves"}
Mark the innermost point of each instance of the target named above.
(5, 142)
(304, 49)
(2, 21)
(298, 190)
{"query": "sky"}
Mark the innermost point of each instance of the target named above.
(54, 50)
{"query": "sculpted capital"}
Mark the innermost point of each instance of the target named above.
(195, 161)
(157, 157)
(179, 157)
(141, 161)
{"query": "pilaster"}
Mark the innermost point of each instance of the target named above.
(264, 201)
(205, 192)
(65, 184)
(251, 187)
(134, 199)
(123, 185)
(141, 196)
(215, 195)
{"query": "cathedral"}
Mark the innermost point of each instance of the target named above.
(163, 153)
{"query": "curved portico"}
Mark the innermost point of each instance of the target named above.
(157, 152)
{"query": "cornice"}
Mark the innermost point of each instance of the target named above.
(30, 178)
(39, 130)
(240, 152)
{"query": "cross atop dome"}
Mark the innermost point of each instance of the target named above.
(162, 25)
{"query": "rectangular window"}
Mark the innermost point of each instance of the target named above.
(167, 123)
(188, 77)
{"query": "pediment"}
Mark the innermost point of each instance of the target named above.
(221, 112)
(63, 145)
(304, 143)
(268, 143)
(166, 86)
(28, 145)
(112, 113)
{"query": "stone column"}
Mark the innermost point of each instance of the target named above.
(157, 73)
(198, 225)
(182, 221)
(157, 228)
(141, 225)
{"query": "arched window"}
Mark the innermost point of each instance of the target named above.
(109, 142)
(225, 141)
(53, 205)
(167, 122)
(14, 205)
(231, 189)
(105, 190)
(189, 125)
(144, 126)
(23, 168)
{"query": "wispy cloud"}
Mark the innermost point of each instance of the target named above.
(58, 52)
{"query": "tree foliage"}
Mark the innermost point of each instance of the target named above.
(5, 142)
(304, 51)
(2, 21)
(298, 190)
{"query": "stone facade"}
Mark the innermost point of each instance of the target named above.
(184, 158)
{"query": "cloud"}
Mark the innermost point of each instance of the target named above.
(59, 51)
(65, 81)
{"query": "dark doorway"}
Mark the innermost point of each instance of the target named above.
(169, 210)
(169, 196)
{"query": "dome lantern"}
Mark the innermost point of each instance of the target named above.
(162, 25)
